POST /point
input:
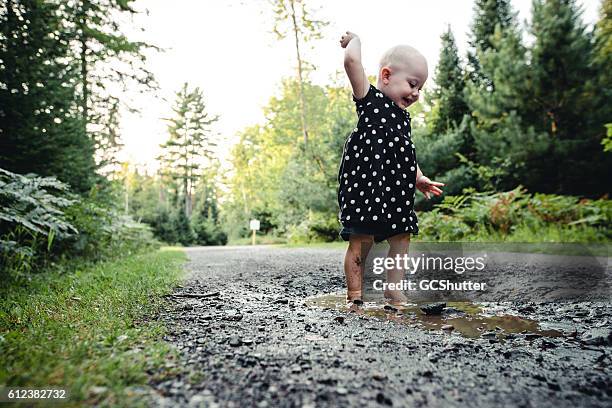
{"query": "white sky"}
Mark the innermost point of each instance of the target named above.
(228, 50)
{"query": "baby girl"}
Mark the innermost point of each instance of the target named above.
(379, 173)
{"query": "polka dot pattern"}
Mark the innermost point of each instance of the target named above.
(378, 184)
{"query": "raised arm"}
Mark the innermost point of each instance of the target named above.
(352, 64)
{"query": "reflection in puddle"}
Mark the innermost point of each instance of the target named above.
(466, 318)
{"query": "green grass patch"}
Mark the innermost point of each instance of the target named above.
(88, 327)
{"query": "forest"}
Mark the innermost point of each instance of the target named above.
(519, 129)
(520, 134)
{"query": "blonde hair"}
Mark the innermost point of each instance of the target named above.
(398, 56)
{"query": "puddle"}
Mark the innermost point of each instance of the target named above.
(467, 318)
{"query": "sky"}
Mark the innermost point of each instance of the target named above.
(228, 49)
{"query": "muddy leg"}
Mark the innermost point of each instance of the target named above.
(354, 264)
(398, 245)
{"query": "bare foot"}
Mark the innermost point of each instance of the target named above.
(356, 307)
(395, 297)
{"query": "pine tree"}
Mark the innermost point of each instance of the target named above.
(503, 138)
(564, 99)
(182, 227)
(448, 98)
(108, 64)
(505, 64)
(303, 29)
(602, 58)
(205, 219)
(190, 142)
(41, 130)
(601, 63)
(487, 15)
(447, 132)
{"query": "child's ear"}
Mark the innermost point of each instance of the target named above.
(385, 73)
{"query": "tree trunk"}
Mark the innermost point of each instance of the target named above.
(299, 59)
(187, 198)
(83, 41)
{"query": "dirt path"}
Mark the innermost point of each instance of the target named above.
(258, 344)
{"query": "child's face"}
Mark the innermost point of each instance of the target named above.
(402, 83)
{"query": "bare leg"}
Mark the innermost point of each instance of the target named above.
(354, 264)
(398, 245)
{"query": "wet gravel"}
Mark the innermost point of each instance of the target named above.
(255, 343)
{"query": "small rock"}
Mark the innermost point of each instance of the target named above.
(201, 400)
(339, 319)
(341, 391)
(433, 308)
(235, 341)
(599, 336)
(390, 308)
(383, 399)
(448, 327)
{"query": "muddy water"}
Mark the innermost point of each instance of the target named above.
(466, 318)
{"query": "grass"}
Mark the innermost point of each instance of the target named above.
(86, 328)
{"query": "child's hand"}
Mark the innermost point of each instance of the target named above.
(347, 38)
(426, 186)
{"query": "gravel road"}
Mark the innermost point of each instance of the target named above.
(259, 342)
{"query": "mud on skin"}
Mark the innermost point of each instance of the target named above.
(258, 344)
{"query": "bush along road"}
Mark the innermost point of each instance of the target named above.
(260, 326)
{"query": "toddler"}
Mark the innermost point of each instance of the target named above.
(379, 172)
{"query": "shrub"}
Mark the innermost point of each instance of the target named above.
(41, 221)
(318, 227)
(182, 226)
(31, 219)
(104, 232)
(208, 232)
(477, 215)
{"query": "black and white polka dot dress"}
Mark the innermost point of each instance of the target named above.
(378, 171)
